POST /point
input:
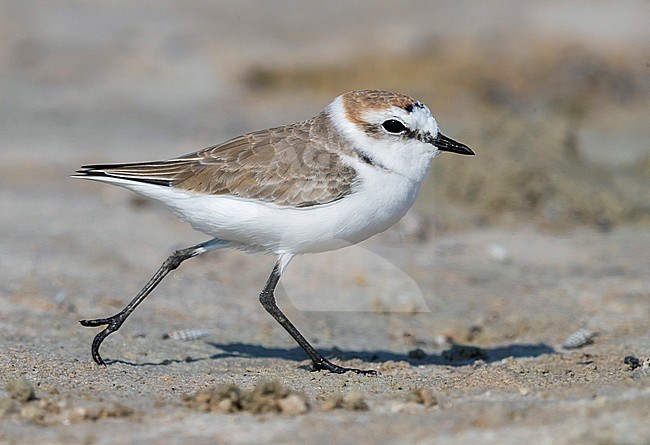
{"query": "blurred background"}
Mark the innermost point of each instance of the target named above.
(544, 232)
(553, 96)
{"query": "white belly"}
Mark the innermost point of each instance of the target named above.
(380, 200)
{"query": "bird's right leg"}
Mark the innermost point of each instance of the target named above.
(267, 298)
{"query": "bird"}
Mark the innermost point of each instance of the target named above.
(328, 182)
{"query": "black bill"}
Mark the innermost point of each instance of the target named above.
(443, 143)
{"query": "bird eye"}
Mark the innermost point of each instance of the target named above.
(393, 126)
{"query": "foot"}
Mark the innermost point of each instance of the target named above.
(112, 324)
(326, 365)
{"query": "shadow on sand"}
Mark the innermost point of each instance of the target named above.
(456, 355)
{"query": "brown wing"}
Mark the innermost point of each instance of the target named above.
(296, 165)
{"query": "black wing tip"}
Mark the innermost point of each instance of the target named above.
(101, 170)
(88, 170)
(112, 166)
(96, 169)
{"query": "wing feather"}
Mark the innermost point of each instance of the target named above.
(297, 165)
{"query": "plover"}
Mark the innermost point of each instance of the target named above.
(328, 182)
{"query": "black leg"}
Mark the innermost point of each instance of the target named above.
(319, 362)
(113, 323)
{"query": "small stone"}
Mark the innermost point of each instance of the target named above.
(632, 361)
(33, 412)
(263, 405)
(226, 406)
(77, 413)
(460, 353)
(354, 401)
(270, 388)
(334, 402)
(203, 398)
(417, 354)
(422, 396)
(266, 397)
(293, 404)
(20, 390)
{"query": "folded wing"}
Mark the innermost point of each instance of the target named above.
(288, 166)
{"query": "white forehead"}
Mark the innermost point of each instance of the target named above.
(420, 119)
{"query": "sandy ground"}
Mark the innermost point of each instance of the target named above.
(464, 309)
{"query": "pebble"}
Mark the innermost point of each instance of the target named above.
(422, 396)
(417, 354)
(353, 401)
(632, 361)
(20, 390)
(33, 412)
(293, 405)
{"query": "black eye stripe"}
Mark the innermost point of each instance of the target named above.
(394, 126)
